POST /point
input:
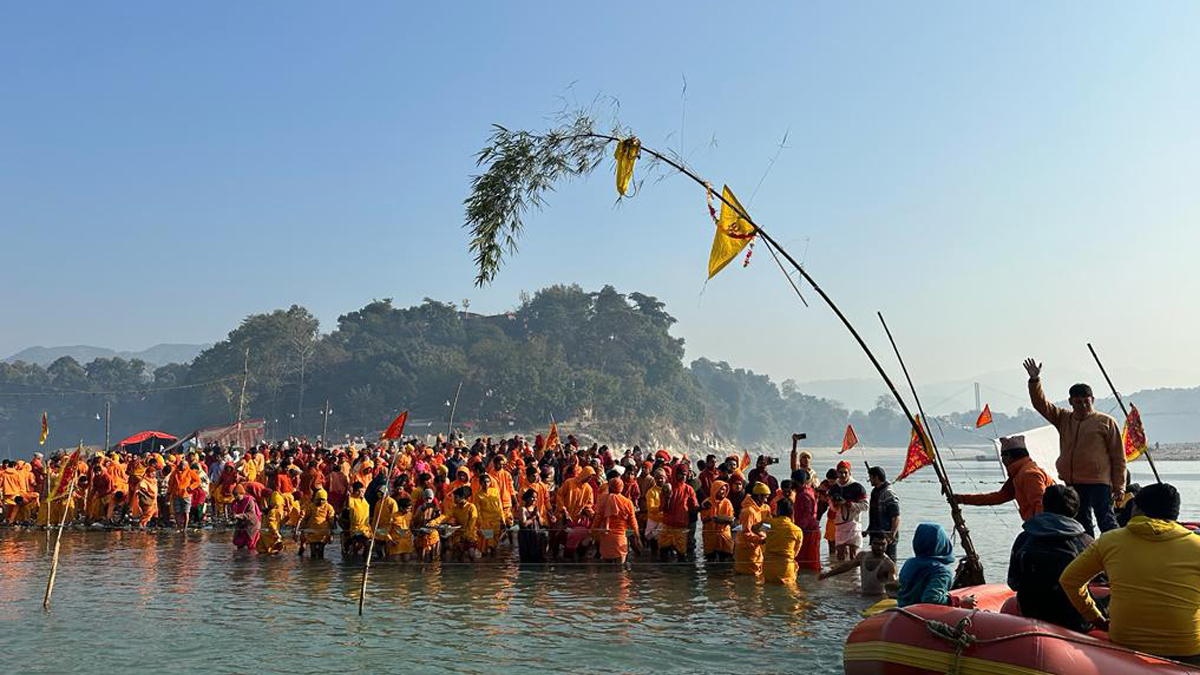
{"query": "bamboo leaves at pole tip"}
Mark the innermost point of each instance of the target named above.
(521, 168)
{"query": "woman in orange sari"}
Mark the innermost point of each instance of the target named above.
(616, 518)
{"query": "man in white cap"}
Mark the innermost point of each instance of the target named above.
(1026, 481)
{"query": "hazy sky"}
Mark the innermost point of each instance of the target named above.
(1000, 180)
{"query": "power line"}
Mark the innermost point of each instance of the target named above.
(73, 392)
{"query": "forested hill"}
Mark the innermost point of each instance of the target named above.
(602, 363)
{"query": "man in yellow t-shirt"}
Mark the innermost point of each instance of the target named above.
(1153, 568)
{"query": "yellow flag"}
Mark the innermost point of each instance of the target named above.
(627, 153)
(733, 233)
(45, 429)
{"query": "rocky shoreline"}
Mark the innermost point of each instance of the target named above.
(1177, 451)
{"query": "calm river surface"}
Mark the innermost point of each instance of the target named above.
(129, 602)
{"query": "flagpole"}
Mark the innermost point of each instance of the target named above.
(1123, 410)
(362, 591)
(70, 495)
(972, 566)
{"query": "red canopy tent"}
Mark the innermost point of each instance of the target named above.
(146, 441)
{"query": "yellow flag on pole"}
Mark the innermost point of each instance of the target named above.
(733, 233)
(45, 429)
(626, 154)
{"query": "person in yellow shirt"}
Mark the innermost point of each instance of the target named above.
(400, 535)
(465, 516)
(748, 555)
(781, 545)
(270, 541)
(490, 504)
(1153, 568)
(356, 522)
(654, 500)
(316, 525)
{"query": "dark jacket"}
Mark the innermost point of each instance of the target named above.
(1039, 555)
(883, 510)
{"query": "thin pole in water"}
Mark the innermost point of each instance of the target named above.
(362, 591)
(58, 539)
(1122, 404)
(974, 566)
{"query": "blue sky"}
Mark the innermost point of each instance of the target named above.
(1000, 180)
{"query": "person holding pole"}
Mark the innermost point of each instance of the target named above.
(1091, 458)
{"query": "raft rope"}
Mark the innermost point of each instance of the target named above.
(963, 639)
(957, 634)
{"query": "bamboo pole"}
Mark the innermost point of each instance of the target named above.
(773, 244)
(1123, 410)
(970, 573)
(362, 591)
(70, 495)
(325, 425)
(450, 426)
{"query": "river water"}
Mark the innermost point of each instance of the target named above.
(130, 602)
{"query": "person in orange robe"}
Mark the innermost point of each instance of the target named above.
(748, 555)
(145, 500)
(717, 516)
(179, 488)
(502, 481)
(616, 518)
(12, 485)
(541, 491)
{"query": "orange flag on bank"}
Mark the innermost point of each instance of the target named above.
(396, 428)
(745, 463)
(985, 417)
(1133, 435)
(45, 429)
(849, 440)
(552, 440)
(920, 452)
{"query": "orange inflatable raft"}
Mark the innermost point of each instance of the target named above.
(938, 639)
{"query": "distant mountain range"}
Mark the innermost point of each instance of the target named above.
(1004, 390)
(157, 355)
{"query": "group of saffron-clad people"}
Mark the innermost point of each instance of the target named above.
(561, 502)
(445, 500)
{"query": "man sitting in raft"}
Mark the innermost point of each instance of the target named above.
(1153, 568)
(1051, 540)
(1026, 481)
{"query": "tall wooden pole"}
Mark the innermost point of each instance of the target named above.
(58, 539)
(362, 591)
(1123, 410)
(325, 424)
(107, 423)
(450, 427)
(971, 571)
(242, 397)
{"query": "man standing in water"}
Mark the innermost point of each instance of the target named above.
(1091, 458)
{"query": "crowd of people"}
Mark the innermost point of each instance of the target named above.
(448, 500)
(467, 503)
